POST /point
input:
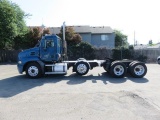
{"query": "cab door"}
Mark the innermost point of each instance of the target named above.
(47, 50)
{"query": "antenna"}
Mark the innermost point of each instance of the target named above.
(42, 25)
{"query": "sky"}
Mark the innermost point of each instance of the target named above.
(141, 17)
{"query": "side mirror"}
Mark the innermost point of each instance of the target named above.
(38, 44)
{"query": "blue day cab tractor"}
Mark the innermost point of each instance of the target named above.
(49, 57)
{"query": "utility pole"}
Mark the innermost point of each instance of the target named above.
(134, 39)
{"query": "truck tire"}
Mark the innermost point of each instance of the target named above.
(82, 68)
(104, 67)
(138, 70)
(132, 63)
(158, 61)
(129, 67)
(33, 70)
(118, 69)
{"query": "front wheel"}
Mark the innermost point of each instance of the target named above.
(33, 70)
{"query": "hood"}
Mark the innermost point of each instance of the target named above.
(29, 52)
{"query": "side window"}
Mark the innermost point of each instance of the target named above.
(49, 43)
(104, 37)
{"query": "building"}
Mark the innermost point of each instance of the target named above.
(96, 36)
(141, 46)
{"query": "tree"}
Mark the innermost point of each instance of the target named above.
(30, 39)
(81, 50)
(46, 31)
(12, 23)
(75, 47)
(71, 36)
(120, 39)
(131, 47)
(150, 42)
(33, 36)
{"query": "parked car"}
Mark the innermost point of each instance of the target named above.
(158, 60)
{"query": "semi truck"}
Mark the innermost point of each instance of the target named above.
(49, 56)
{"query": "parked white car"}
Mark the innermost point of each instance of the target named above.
(158, 60)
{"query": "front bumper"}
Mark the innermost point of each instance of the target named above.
(20, 68)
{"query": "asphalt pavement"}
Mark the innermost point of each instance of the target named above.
(95, 96)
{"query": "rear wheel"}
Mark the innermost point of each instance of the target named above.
(159, 61)
(138, 70)
(106, 65)
(33, 70)
(118, 69)
(132, 63)
(129, 67)
(82, 68)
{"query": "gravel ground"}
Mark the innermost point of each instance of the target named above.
(95, 96)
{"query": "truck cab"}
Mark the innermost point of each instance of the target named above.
(42, 58)
(50, 48)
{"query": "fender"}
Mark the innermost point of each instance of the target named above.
(25, 61)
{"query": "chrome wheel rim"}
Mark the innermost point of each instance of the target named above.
(33, 71)
(81, 68)
(139, 70)
(118, 70)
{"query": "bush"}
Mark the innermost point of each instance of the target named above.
(122, 54)
(81, 50)
(142, 58)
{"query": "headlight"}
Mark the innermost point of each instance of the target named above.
(19, 62)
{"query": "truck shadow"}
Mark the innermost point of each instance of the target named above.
(10, 87)
(104, 77)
